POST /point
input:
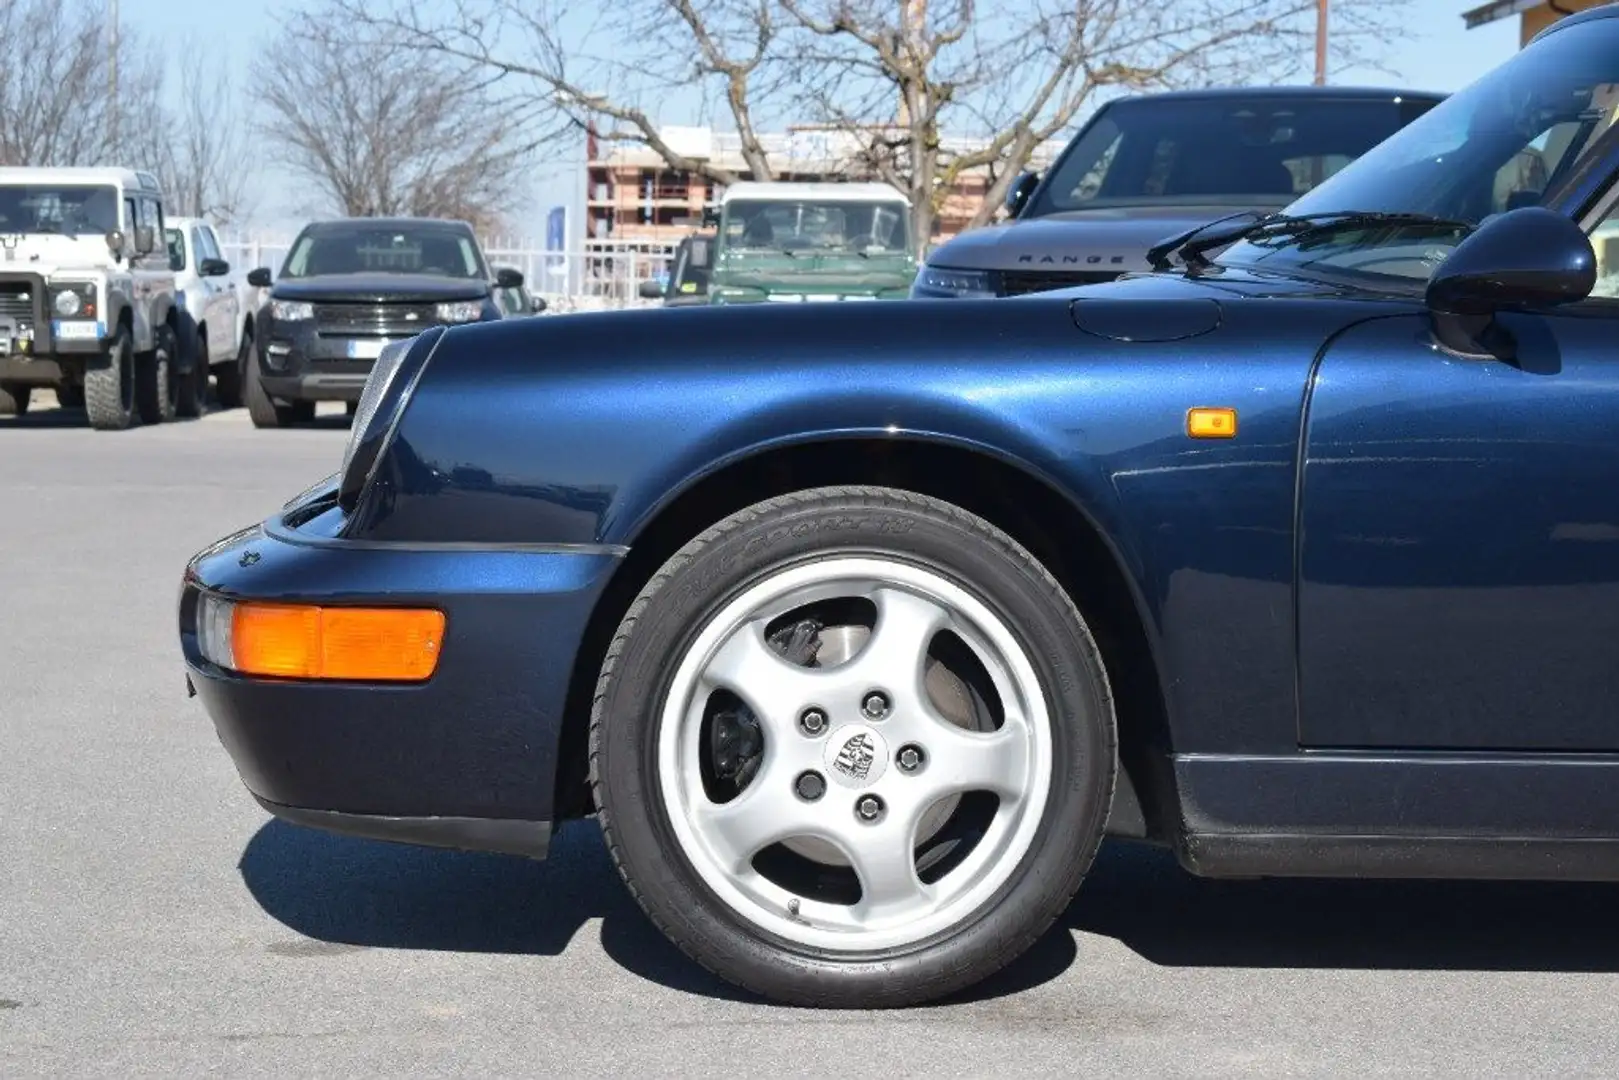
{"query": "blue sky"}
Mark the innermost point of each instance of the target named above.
(1436, 54)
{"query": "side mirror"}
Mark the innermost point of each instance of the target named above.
(508, 278)
(1017, 196)
(699, 254)
(651, 290)
(537, 304)
(115, 243)
(259, 278)
(145, 239)
(1523, 259)
(213, 268)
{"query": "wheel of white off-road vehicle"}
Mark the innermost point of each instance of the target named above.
(156, 392)
(109, 386)
(228, 377)
(191, 388)
(15, 398)
(853, 747)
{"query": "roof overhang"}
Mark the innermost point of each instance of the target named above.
(1497, 10)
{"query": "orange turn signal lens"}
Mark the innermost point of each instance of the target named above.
(1204, 423)
(361, 644)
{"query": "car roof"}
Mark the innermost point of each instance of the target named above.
(831, 192)
(130, 179)
(1287, 93)
(386, 223)
(1601, 11)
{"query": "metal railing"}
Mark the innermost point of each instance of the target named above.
(603, 275)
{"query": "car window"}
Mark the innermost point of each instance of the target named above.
(207, 248)
(1502, 143)
(75, 209)
(1214, 150)
(365, 248)
(837, 225)
(177, 249)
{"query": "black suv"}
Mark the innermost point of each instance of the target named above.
(347, 288)
(1146, 168)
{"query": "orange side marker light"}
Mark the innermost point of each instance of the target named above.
(1210, 423)
(359, 644)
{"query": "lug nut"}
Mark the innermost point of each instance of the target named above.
(909, 758)
(876, 705)
(810, 786)
(869, 808)
(812, 721)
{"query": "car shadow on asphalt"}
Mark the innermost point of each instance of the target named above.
(349, 891)
(359, 892)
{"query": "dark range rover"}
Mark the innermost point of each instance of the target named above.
(349, 287)
(1146, 168)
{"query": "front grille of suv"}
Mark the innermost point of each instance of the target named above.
(374, 320)
(17, 304)
(1019, 282)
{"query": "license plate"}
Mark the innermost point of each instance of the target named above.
(365, 348)
(76, 331)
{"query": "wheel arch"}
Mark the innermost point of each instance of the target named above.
(1063, 535)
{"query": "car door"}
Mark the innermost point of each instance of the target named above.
(222, 302)
(1458, 544)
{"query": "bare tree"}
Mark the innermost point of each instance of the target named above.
(203, 160)
(894, 79)
(382, 129)
(608, 75)
(62, 106)
(897, 78)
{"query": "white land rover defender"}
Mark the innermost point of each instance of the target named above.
(87, 303)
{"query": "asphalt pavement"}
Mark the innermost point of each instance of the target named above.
(154, 920)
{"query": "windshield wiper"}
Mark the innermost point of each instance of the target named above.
(1191, 245)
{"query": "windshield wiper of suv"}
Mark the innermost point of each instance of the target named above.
(1191, 245)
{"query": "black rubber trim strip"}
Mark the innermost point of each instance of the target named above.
(276, 530)
(1467, 858)
(504, 836)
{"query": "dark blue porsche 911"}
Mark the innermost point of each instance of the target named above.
(858, 626)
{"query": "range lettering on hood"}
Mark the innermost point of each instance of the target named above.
(1072, 260)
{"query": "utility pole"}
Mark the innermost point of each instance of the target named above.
(1321, 42)
(112, 65)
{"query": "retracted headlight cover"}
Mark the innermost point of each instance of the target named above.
(392, 380)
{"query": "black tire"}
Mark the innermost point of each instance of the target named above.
(715, 567)
(191, 389)
(70, 395)
(156, 392)
(15, 398)
(228, 377)
(109, 386)
(263, 409)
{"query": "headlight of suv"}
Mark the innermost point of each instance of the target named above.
(292, 310)
(940, 281)
(388, 388)
(461, 311)
(74, 301)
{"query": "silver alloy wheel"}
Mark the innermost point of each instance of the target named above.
(872, 808)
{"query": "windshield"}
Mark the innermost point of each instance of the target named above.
(384, 249)
(818, 227)
(1497, 145)
(70, 209)
(1254, 151)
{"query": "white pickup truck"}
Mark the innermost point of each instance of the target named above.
(218, 305)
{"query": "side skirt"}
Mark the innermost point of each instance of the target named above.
(531, 839)
(1335, 814)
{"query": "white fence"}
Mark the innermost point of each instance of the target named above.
(601, 276)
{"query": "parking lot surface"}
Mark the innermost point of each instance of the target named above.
(154, 920)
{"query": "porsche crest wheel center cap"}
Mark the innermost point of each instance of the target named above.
(856, 756)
